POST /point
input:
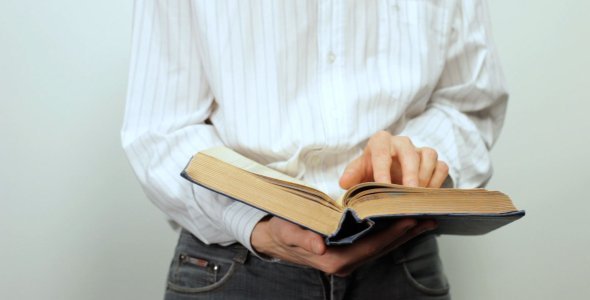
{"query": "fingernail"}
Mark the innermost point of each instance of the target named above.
(413, 182)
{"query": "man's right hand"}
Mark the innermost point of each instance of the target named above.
(284, 240)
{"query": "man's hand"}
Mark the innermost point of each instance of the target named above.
(394, 159)
(281, 239)
(386, 159)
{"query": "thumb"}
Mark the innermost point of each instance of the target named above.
(310, 242)
(316, 245)
(293, 235)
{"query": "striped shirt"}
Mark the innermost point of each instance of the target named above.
(300, 86)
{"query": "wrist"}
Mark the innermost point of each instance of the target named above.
(260, 239)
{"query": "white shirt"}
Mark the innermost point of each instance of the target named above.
(300, 86)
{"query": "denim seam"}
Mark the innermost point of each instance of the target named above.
(421, 287)
(178, 288)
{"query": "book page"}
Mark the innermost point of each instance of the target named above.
(234, 182)
(366, 186)
(233, 158)
(358, 191)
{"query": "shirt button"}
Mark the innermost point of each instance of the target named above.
(331, 57)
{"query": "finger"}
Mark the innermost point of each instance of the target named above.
(408, 158)
(420, 228)
(291, 235)
(428, 161)
(439, 175)
(354, 173)
(376, 243)
(396, 172)
(379, 149)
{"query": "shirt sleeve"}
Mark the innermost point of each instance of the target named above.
(168, 103)
(466, 111)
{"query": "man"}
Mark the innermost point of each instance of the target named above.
(331, 92)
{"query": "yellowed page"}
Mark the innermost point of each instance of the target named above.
(233, 158)
(275, 177)
(435, 202)
(248, 187)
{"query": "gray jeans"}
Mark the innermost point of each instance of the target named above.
(199, 271)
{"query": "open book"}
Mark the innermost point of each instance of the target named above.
(362, 209)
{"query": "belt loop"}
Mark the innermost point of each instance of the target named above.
(241, 255)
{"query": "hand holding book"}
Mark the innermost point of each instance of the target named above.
(287, 241)
(385, 159)
(365, 208)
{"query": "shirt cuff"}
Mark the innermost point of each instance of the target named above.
(239, 220)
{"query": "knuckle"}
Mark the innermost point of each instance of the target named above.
(404, 139)
(380, 159)
(382, 134)
(378, 138)
(429, 153)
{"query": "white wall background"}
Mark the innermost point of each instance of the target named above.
(74, 223)
(541, 160)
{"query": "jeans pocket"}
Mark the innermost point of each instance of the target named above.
(423, 268)
(190, 273)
